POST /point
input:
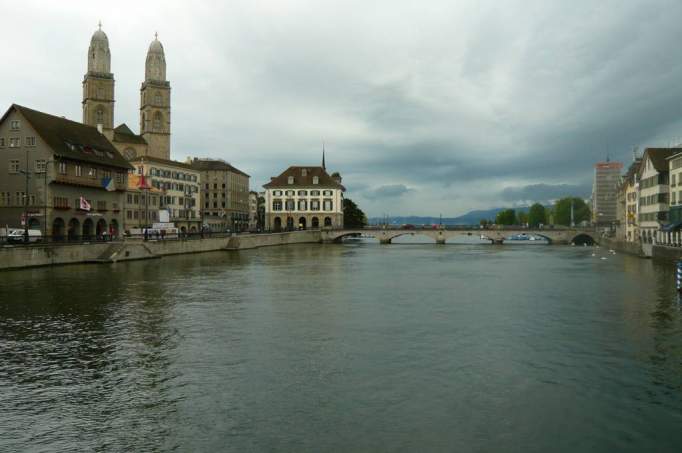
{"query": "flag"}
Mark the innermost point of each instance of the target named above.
(108, 184)
(85, 206)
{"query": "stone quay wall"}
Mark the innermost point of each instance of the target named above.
(16, 257)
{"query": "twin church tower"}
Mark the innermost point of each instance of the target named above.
(98, 101)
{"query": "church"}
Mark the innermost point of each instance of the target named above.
(99, 101)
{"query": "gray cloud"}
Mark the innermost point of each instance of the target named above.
(470, 104)
(543, 193)
(388, 191)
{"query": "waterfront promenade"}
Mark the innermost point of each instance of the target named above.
(129, 249)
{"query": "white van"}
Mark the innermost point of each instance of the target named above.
(16, 235)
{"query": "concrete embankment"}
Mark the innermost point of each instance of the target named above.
(15, 257)
(623, 247)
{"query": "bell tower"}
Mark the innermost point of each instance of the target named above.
(98, 85)
(155, 103)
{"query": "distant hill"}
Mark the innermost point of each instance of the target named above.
(470, 218)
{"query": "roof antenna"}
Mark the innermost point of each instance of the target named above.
(607, 158)
(100, 25)
(324, 167)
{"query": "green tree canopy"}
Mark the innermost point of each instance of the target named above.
(562, 211)
(537, 215)
(506, 217)
(353, 217)
(522, 217)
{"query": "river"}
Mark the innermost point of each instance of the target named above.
(352, 347)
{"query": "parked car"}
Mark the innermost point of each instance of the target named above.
(16, 236)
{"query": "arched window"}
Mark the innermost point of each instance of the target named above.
(99, 116)
(157, 121)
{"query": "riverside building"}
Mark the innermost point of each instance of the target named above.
(653, 192)
(225, 194)
(304, 197)
(178, 187)
(605, 192)
(62, 177)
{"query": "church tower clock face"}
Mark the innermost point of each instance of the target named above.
(129, 154)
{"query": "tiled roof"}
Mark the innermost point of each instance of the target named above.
(658, 157)
(324, 180)
(123, 134)
(71, 140)
(214, 165)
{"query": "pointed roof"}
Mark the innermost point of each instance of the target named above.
(301, 180)
(71, 140)
(658, 157)
(123, 134)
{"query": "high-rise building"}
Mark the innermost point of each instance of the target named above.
(605, 192)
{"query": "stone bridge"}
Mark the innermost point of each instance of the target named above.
(495, 236)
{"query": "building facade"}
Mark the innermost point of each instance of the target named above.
(302, 198)
(605, 192)
(225, 194)
(62, 177)
(142, 205)
(253, 211)
(653, 192)
(177, 185)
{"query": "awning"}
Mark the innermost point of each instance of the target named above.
(671, 227)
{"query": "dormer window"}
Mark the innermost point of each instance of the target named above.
(290, 180)
(304, 172)
(316, 179)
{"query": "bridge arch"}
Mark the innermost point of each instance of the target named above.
(414, 233)
(583, 238)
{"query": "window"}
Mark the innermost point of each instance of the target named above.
(302, 193)
(157, 99)
(314, 205)
(99, 116)
(290, 193)
(14, 142)
(79, 170)
(14, 125)
(13, 166)
(290, 180)
(277, 193)
(92, 172)
(157, 121)
(315, 193)
(119, 177)
(277, 205)
(302, 205)
(304, 172)
(2, 142)
(62, 168)
(290, 205)
(30, 141)
(316, 180)
(328, 205)
(327, 193)
(41, 165)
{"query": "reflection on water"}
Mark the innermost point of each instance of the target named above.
(345, 347)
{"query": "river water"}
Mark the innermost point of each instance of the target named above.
(352, 347)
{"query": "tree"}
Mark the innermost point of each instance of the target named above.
(483, 222)
(522, 217)
(506, 217)
(562, 211)
(353, 217)
(537, 215)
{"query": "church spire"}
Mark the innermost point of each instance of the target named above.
(324, 167)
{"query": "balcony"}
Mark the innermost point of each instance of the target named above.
(85, 181)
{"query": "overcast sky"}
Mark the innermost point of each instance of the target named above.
(426, 107)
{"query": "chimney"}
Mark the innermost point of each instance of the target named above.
(100, 128)
(336, 177)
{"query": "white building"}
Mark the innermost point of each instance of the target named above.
(653, 192)
(304, 197)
